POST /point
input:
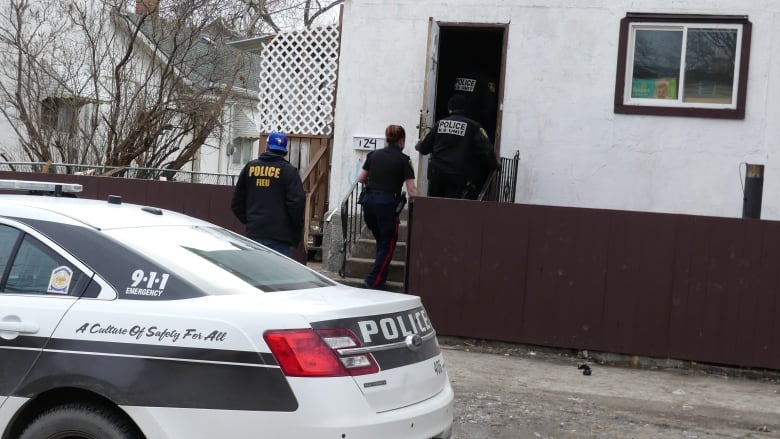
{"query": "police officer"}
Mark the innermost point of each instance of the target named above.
(481, 93)
(384, 174)
(460, 152)
(269, 198)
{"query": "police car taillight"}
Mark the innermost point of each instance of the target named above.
(319, 353)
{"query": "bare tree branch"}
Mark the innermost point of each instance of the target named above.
(309, 18)
(89, 82)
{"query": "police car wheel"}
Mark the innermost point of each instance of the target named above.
(80, 421)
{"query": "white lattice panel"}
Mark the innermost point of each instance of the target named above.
(298, 81)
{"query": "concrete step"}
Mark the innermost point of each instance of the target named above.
(360, 267)
(403, 232)
(366, 248)
(397, 287)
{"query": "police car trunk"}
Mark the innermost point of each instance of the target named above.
(393, 357)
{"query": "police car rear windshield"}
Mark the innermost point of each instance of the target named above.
(219, 261)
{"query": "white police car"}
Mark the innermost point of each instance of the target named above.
(121, 321)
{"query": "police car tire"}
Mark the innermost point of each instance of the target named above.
(86, 421)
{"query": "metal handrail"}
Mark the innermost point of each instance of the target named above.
(351, 212)
(351, 222)
(485, 187)
(507, 179)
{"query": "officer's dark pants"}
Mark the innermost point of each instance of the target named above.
(380, 217)
(446, 185)
(474, 185)
(274, 244)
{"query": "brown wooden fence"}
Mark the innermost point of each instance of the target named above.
(684, 287)
(204, 201)
(667, 286)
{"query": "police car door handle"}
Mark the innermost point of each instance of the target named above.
(20, 327)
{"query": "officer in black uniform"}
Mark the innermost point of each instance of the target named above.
(481, 93)
(460, 150)
(384, 174)
(269, 198)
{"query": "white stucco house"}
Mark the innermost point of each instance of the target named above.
(642, 105)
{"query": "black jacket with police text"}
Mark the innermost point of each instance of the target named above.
(269, 198)
(480, 91)
(457, 144)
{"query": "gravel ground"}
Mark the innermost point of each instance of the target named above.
(511, 391)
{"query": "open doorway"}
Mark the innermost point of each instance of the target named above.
(471, 54)
(467, 59)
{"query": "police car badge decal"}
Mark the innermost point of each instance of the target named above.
(59, 282)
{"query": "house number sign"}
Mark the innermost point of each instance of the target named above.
(368, 142)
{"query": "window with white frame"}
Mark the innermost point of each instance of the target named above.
(243, 150)
(683, 65)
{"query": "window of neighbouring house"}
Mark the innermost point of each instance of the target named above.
(60, 114)
(683, 65)
(243, 150)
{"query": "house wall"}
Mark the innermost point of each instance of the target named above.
(558, 104)
(215, 156)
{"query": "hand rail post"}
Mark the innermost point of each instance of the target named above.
(350, 221)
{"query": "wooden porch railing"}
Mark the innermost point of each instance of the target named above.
(315, 183)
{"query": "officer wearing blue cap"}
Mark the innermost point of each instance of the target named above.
(269, 198)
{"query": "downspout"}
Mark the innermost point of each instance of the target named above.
(229, 145)
(752, 191)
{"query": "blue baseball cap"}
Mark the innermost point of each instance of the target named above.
(277, 141)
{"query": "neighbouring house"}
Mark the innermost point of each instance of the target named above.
(282, 82)
(206, 67)
(287, 83)
(196, 66)
(643, 105)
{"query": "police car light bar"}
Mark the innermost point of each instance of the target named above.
(22, 185)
